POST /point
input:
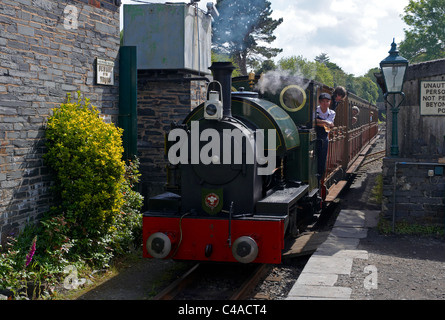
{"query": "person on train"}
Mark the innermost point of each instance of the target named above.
(355, 113)
(324, 121)
(338, 96)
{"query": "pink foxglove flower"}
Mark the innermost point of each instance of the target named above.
(31, 252)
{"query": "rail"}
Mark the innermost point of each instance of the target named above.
(193, 275)
(173, 289)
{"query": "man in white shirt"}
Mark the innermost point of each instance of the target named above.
(324, 121)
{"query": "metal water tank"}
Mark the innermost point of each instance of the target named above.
(170, 36)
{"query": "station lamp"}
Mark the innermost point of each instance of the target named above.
(393, 69)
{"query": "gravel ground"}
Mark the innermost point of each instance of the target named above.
(280, 280)
(398, 268)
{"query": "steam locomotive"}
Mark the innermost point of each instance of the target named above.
(242, 169)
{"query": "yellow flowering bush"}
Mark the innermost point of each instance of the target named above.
(85, 155)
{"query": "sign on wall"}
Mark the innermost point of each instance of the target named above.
(105, 72)
(432, 98)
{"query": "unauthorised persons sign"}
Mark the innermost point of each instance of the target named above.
(432, 98)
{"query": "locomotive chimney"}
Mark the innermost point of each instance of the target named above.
(222, 72)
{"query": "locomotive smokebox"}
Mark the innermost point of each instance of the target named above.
(222, 72)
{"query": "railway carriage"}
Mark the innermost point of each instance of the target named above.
(242, 169)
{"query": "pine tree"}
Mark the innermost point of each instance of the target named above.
(241, 30)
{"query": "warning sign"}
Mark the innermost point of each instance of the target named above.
(105, 72)
(432, 98)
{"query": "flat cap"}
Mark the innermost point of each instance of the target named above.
(324, 96)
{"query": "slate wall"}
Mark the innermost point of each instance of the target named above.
(48, 48)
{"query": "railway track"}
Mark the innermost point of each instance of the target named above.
(373, 157)
(242, 281)
(233, 281)
(215, 281)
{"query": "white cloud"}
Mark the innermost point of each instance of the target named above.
(344, 6)
(356, 35)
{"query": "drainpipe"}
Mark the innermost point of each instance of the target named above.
(128, 100)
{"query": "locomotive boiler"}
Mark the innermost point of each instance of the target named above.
(241, 174)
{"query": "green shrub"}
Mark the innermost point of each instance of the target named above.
(127, 230)
(97, 215)
(85, 155)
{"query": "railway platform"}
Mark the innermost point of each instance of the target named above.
(356, 262)
(334, 257)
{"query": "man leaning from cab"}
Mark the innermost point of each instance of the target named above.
(324, 121)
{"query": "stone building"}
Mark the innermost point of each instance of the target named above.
(48, 48)
(414, 182)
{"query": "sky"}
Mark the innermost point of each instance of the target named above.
(355, 34)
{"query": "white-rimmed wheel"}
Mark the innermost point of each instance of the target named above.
(159, 245)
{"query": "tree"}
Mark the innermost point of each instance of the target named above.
(224, 57)
(265, 66)
(340, 78)
(300, 66)
(330, 74)
(241, 29)
(425, 40)
(367, 89)
(370, 75)
(322, 58)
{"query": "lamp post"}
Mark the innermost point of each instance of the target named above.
(393, 69)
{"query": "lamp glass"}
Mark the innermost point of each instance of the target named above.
(394, 75)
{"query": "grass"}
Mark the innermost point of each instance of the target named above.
(377, 191)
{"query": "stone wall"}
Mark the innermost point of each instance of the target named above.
(162, 99)
(48, 48)
(409, 193)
